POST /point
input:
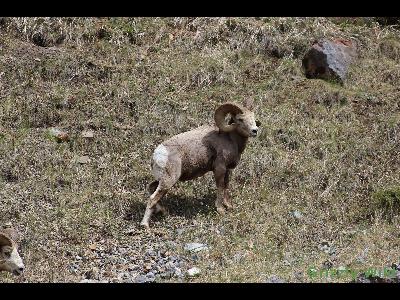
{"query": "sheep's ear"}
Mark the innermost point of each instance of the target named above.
(5, 240)
(11, 232)
(258, 123)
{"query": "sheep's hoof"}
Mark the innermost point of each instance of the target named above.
(221, 210)
(228, 205)
(145, 225)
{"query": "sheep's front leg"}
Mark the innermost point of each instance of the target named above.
(227, 198)
(219, 175)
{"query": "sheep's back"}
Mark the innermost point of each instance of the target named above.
(195, 154)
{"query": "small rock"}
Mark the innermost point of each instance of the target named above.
(141, 279)
(324, 246)
(167, 275)
(170, 265)
(195, 247)
(179, 231)
(297, 214)
(87, 134)
(237, 257)
(74, 268)
(193, 272)
(59, 135)
(92, 281)
(274, 279)
(332, 251)
(93, 247)
(299, 276)
(150, 274)
(83, 159)
(151, 252)
(151, 278)
(363, 256)
(178, 272)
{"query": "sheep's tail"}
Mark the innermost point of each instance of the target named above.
(151, 188)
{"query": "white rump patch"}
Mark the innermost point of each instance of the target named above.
(160, 156)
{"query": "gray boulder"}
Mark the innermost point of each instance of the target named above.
(329, 59)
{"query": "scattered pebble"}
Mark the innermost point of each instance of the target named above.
(193, 272)
(87, 134)
(297, 214)
(93, 281)
(324, 246)
(178, 272)
(237, 257)
(274, 279)
(58, 134)
(141, 279)
(83, 159)
(363, 256)
(195, 247)
(179, 231)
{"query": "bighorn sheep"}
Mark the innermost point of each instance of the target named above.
(10, 261)
(207, 148)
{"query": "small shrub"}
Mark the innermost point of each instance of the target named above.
(390, 48)
(388, 201)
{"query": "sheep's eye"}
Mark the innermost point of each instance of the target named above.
(240, 119)
(7, 254)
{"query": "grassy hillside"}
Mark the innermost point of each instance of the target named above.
(319, 187)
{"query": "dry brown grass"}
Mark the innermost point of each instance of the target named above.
(323, 150)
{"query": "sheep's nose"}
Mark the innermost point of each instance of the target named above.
(254, 131)
(21, 269)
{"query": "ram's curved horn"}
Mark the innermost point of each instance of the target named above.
(221, 113)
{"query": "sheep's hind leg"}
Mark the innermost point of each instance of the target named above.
(151, 188)
(167, 177)
(152, 205)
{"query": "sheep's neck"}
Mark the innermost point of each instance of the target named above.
(241, 141)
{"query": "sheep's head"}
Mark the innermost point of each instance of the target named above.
(10, 260)
(242, 119)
